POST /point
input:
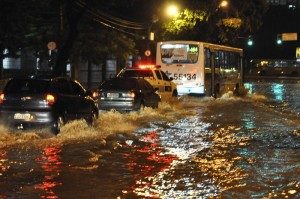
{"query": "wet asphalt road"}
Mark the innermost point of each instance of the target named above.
(205, 148)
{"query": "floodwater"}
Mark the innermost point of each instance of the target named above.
(228, 147)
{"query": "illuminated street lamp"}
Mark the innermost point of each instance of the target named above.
(172, 10)
(223, 4)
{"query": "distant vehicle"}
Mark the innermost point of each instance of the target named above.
(274, 68)
(156, 77)
(200, 68)
(127, 94)
(26, 102)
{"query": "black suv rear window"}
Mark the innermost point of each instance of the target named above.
(120, 83)
(29, 86)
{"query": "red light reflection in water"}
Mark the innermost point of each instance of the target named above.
(146, 162)
(51, 165)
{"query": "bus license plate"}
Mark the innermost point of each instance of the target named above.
(22, 116)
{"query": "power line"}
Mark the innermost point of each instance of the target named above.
(112, 20)
(115, 28)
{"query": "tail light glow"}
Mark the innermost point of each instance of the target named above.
(148, 66)
(2, 98)
(50, 99)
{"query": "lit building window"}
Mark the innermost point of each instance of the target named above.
(11, 63)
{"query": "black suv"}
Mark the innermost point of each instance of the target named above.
(52, 102)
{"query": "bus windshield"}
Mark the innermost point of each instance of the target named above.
(179, 53)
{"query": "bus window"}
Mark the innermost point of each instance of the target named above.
(207, 61)
(217, 59)
(179, 53)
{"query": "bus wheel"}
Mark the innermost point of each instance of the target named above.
(237, 89)
(174, 94)
(217, 90)
(142, 106)
(56, 126)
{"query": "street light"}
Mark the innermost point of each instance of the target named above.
(172, 10)
(223, 4)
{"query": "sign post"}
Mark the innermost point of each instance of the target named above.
(51, 45)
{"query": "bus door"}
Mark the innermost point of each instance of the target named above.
(212, 76)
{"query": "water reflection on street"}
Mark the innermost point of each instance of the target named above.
(50, 163)
(194, 148)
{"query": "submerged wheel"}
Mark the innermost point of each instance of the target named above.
(57, 125)
(217, 90)
(142, 106)
(156, 105)
(91, 120)
(175, 93)
(237, 89)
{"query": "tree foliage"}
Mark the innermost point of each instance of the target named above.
(12, 25)
(186, 20)
(31, 24)
(207, 21)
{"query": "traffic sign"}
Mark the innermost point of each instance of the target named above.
(147, 53)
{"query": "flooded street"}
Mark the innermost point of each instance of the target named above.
(191, 148)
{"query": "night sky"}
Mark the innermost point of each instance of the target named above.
(279, 19)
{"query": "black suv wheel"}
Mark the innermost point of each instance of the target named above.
(57, 125)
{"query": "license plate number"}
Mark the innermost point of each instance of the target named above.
(113, 95)
(23, 116)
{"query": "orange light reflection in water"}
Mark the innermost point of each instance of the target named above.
(157, 161)
(51, 164)
(3, 166)
(221, 163)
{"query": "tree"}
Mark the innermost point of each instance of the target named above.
(31, 24)
(207, 21)
(13, 28)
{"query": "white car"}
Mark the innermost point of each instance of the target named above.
(156, 77)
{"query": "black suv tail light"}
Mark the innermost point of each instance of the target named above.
(2, 98)
(51, 99)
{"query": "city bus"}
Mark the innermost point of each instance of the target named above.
(200, 68)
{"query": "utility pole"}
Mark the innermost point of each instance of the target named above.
(61, 17)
